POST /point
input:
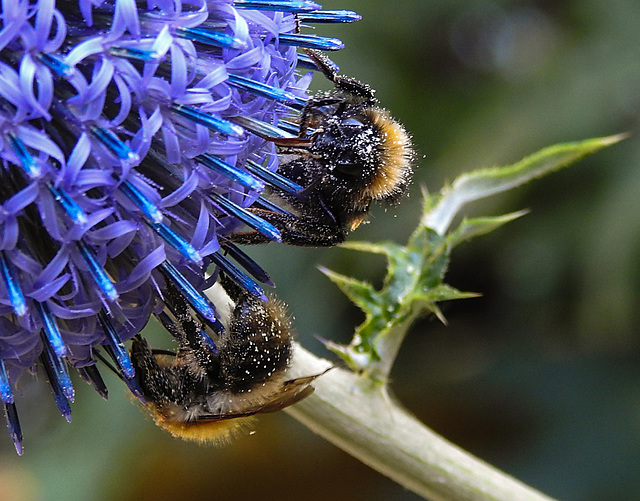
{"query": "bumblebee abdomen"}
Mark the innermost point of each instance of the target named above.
(204, 432)
(256, 347)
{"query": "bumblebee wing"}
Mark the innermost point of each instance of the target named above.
(290, 392)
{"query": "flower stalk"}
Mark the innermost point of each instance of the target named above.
(352, 406)
(359, 416)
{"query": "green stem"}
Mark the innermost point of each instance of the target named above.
(357, 415)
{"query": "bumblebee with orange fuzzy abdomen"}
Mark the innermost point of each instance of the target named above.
(349, 154)
(204, 392)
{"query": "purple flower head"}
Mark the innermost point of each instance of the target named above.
(132, 141)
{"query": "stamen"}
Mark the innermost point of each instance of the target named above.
(61, 372)
(132, 382)
(266, 204)
(51, 331)
(248, 264)
(134, 387)
(144, 56)
(55, 64)
(216, 327)
(208, 343)
(59, 380)
(177, 242)
(209, 37)
(268, 91)
(6, 395)
(27, 162)
(72, 209)
(310, 41)
(250, 219)
(148, 208)
(238, 276)
(121, 357)
(199, 302)
(272, 178)
(329, 16)
(209, 121)
(260, 128)
(113, 144)
(14, 292)
(13, 423)
(91, 375)
(230, 171)
(292, 127)
(278, 5)
(97, 272)
(202, 339)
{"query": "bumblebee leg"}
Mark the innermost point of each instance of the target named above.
(343, 83)
(248, 238)
(187, 328)
(157, 383)
(302, 231)
(323, 63)
(312, 114)
(319, 101)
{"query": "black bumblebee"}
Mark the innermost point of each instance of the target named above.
(204, 392)
(349, 153)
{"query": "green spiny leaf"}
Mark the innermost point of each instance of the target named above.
(486, 182)
(362, 294)
(384, 248)
(475, 227)
(415, 272)
(443, 292)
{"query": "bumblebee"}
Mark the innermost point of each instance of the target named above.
(349, 153)
(205, 392)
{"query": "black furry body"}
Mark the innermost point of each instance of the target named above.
(349, 154)
(202, 384)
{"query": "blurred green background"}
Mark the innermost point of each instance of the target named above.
(540, 376)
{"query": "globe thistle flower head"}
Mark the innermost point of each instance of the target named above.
(132, 140)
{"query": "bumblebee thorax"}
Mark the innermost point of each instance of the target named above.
(347, 146)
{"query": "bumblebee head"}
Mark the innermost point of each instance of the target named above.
(368, 153)
(347, 147)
